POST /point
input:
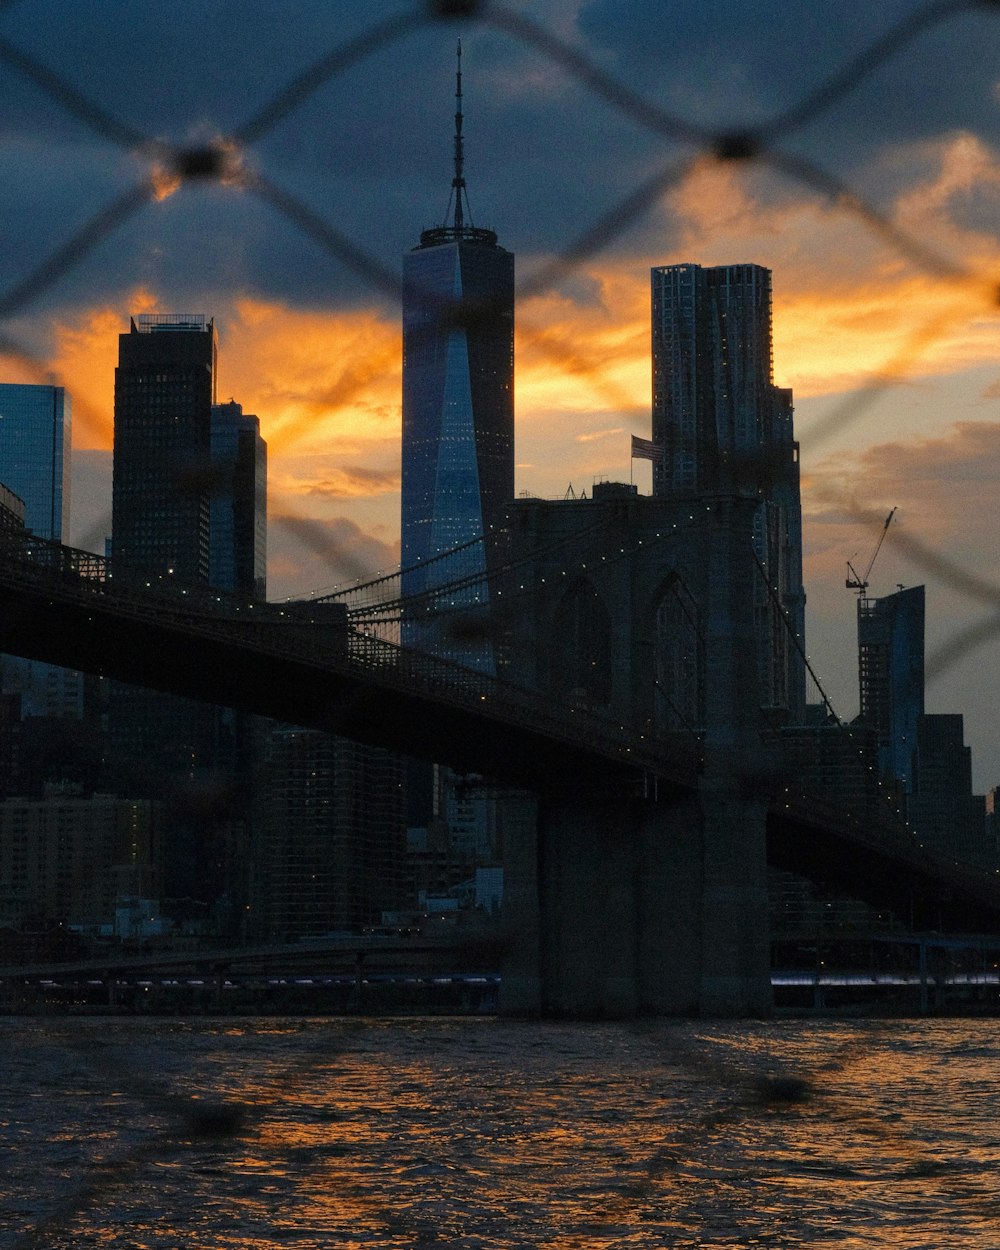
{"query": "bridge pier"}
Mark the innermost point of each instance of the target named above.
(659, 906)
(618, 907)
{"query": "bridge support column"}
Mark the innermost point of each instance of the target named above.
(588, 867)
(736, 938)
(669, 907)
(618, 907)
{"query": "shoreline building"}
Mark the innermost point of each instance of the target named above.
(458, 420)
(891, 677)
(161, 746)
(165, 386)
(35, 446)
(721, 427)
(35, 439)
(238, 511)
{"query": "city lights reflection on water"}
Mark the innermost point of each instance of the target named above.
(134, 1132)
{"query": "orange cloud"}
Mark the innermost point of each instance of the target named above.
(84, 360)
(326, 384)
(315, 379)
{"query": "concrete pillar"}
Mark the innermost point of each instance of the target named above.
(520, 973)
(736, 943)
(619, 907)
(736, 940)
(587, 906)
(669, 886)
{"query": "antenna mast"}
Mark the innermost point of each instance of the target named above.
(458, 182)
(454, 226)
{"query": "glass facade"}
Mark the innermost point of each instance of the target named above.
(35, 437)
(458, 432)
(238, 548)
(891, 676)
(35, 431)
(714, 407)
(725, 427)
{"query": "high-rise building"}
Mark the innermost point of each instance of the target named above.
(330, 835)
(161, 746)
(458, 413)
(164, 392)
(947, 817)
(720, 425)
(35, 429)
(62, 856)
(891, 676)
(238, 546)
(35, 437)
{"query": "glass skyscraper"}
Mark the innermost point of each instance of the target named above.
(161, 745)
(238, 546)
(723, 426)
(35, 429)
(891, 676)
(458, 417)
(35, 437)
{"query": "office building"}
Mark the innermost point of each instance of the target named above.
(891, 676)
(946, 816)
(161, 746)
(330, 835)
(457, 453)
(35, 438)
(238, 546)
(720, 426)
(238, 564)
(65, 857)
(35, 435)
(12, 511)
(458, 418)
(165, 386)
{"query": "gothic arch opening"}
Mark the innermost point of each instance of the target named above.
(580, 647)
(678, 649)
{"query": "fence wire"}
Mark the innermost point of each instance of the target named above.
(229, 161)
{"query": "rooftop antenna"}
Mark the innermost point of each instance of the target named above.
(458, 182)
(455, 226)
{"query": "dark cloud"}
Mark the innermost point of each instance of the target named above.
(306, 556)
(736, 65)
(369, 150)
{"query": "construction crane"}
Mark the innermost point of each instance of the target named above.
(860, 584)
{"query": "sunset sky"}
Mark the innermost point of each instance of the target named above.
(313, 347)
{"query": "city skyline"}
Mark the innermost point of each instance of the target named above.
(317, 353)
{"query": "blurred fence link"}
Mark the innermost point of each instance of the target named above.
(227, 161)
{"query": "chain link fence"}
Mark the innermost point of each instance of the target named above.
(229, 161)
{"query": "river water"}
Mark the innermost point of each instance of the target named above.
(205, 1133)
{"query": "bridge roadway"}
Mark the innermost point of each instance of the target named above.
(303, 665)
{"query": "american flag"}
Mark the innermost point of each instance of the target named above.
(646, 449)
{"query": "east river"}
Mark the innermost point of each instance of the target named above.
(130, 1132)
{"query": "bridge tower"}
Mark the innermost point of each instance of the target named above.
(652, 898)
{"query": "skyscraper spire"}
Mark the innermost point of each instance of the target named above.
(457, 222)
(458, 182)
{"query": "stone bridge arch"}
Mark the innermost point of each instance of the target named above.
(579, 647)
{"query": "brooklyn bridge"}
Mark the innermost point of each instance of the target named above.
(640, 883)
